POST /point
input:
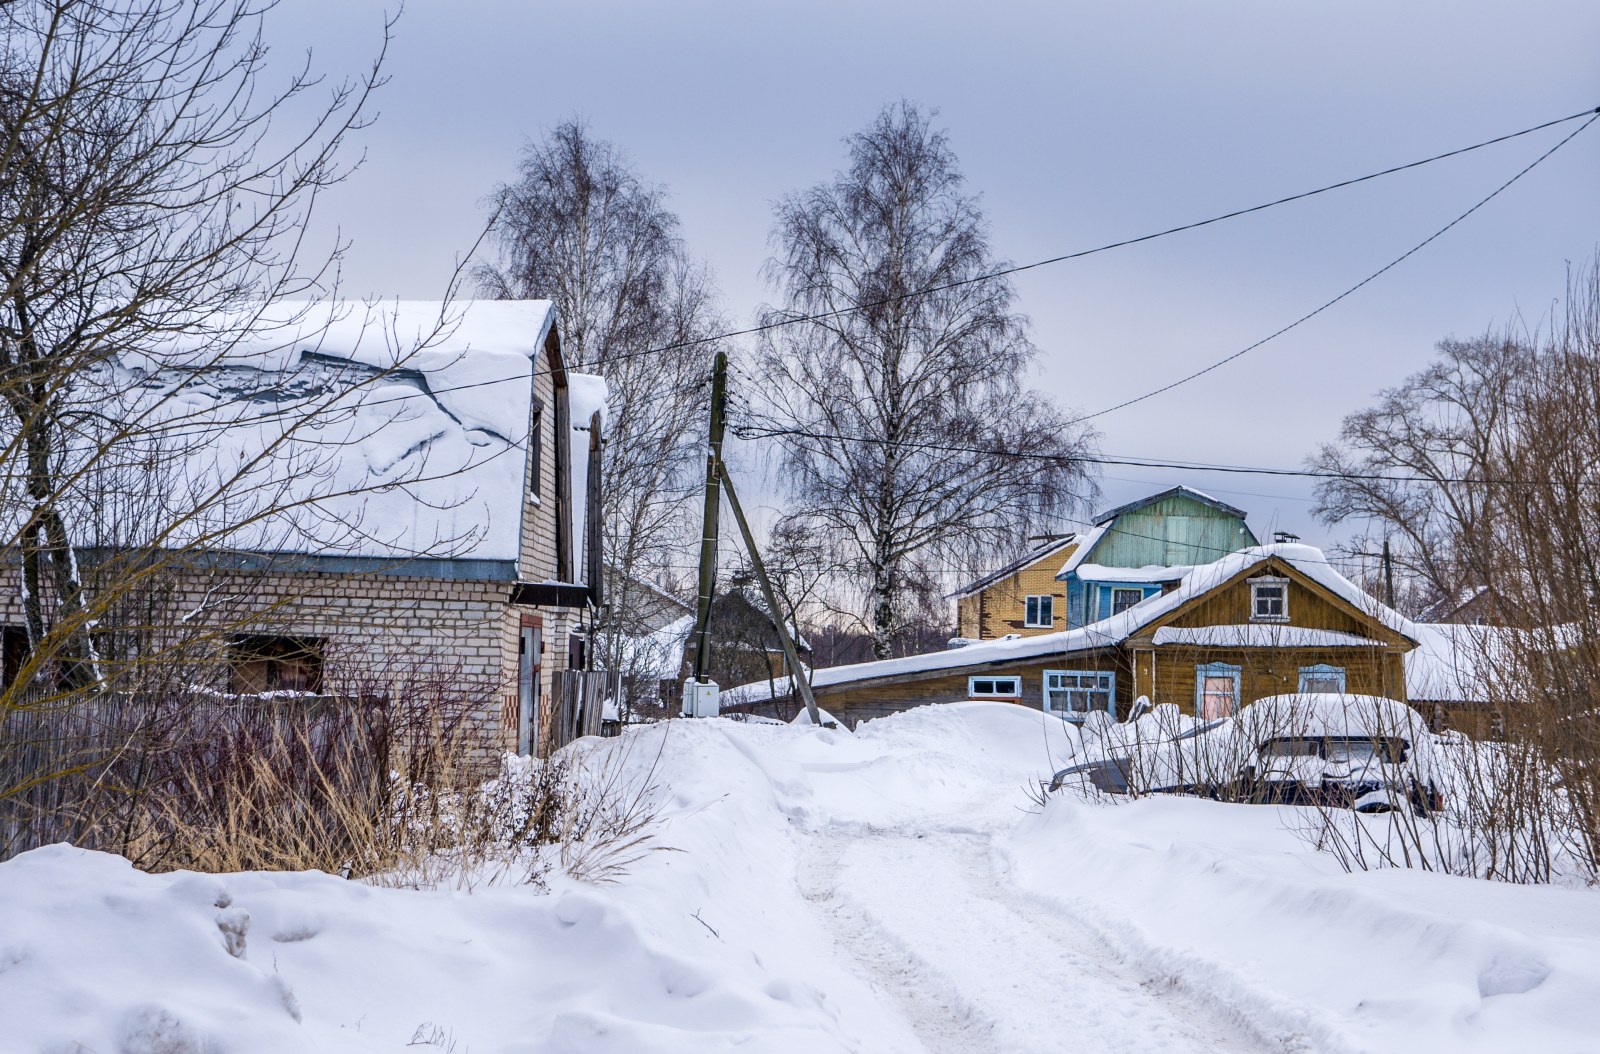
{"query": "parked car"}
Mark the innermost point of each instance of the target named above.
(1347, 751)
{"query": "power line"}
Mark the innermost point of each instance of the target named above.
(1081, 253)
(749, 433)
(1374, 275)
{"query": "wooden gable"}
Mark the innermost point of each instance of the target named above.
(1311, 606)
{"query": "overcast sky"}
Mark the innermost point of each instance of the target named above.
(1078, 124)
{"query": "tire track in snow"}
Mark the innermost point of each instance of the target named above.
(943, 1021)
(975, 965)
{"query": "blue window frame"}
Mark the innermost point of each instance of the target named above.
(1322, 678)
(1073, 693)
(1216, 690)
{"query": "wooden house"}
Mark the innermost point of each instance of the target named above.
(1261, 621)
(1138, 550)
(1131, 552)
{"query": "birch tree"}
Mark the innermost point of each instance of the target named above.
(580, 227)
(911, 440)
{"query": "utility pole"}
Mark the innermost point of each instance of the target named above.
(797, 679)
(708, 537)
(1388, 573)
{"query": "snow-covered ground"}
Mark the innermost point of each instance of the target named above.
(889, 890)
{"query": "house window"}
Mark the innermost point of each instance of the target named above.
(994, 687)
(1216, 691)
(275, 664)
(536, 452)
(1041, 612)
(1269, 600)
(14, 647)
(1322, 678)
(1123, 599)
(1073, 693)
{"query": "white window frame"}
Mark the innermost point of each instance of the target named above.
(1125, 589)
(1256, 585)
(995, 681)
(1216, 670)
(1086, 684)
(1322, 671)
(1034, 606)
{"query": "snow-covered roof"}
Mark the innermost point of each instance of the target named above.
(1445, 606)
(1086, 543)
(1307, 560)
(397, 429)
(1039, 553)
(1259, 635)
(1148, 573)
(1446, 665)
(659, 654)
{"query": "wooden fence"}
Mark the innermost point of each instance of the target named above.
(578, 705)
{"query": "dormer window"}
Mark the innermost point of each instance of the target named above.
(1269, 600)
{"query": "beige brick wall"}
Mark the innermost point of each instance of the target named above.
(1002, 607)
(377, 628)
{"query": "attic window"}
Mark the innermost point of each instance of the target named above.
(1123, 599)
(1041, 612)
(1269, 600)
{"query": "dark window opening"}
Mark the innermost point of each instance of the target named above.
(536, 449)
(14, 648)
(275, 664)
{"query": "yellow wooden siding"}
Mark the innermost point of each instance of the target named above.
(1002, 608)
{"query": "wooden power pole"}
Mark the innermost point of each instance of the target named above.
(708, 537)
(798, 681)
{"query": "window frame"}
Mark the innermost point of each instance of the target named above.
(1326, 671)
(1106, 682)
(1046, 601)
(972, 686)
(536, 453)
(1124, 590)
(1204, 671)
(1270, 582)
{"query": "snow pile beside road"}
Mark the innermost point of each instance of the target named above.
(703, 949)
(890, 890)
(1232, 901)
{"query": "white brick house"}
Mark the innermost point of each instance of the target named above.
(434, 514)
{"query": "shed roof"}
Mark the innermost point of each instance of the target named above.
(388, 430)
(1049, 548)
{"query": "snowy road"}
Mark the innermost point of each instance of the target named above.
(929, 919)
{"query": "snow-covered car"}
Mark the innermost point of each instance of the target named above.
(1358, 751)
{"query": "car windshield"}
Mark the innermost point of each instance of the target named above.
(1360, 750)
(1291, 747)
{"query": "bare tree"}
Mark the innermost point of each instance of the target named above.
(151, 196)
(1411, 468)
(578, 226)
(909, 434)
